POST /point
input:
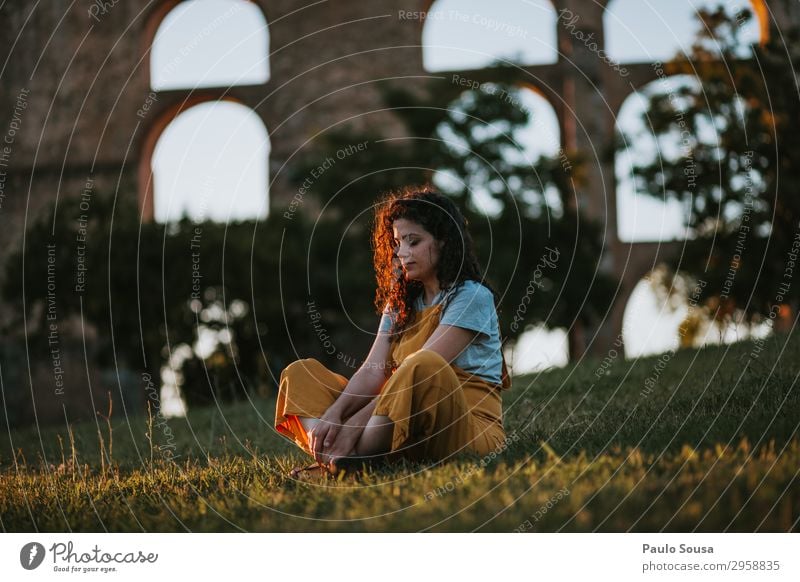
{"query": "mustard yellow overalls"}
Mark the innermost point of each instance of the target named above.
(437, 408)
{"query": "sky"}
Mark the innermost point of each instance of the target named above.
(211, 162)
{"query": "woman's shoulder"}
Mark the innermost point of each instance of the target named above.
(471, 307)
(474, 291)
(472, 299)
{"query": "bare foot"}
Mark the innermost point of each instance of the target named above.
(353, 464)
(313, 470)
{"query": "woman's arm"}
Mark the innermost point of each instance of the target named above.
(352, 430)
(470, 312)
(347, 437)
(446, 340)
(361, 418)
(367, 381)
(362, 387)
(449, 341)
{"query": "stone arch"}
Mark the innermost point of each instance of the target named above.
(428, 3)
(652, 322)
(762, 14)
(540, 100)
(528, 141)
(627, 122)
(546, 100)
(155, 131)
(544, 136)
(517, 37)
(155, 19)
(615, 28)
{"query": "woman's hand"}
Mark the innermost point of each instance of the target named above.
(333, 438)
(324, 434)
(344, 444)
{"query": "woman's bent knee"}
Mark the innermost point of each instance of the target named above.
(423, 371)
(427, 355)
(428, 359)
(303, 365)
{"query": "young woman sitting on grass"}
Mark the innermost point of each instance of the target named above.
(430, 386)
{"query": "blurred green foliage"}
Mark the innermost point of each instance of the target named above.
(729, 151)
(263, 293)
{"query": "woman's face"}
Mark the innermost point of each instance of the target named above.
(417, 250)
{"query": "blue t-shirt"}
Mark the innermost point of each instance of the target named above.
(472, 307)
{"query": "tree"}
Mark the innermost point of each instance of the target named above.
(735, 171)
(291, 286)
(150, 290)
(475, 140)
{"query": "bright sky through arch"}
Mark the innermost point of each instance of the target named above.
(211, 163)
(210, 43)
(471, 34)
(638, 31)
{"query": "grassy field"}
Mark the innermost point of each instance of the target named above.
(702, 440)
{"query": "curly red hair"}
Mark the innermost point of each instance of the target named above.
(439, 216)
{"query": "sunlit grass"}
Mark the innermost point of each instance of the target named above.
(712, 447)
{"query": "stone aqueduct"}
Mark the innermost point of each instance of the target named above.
(85, 79)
